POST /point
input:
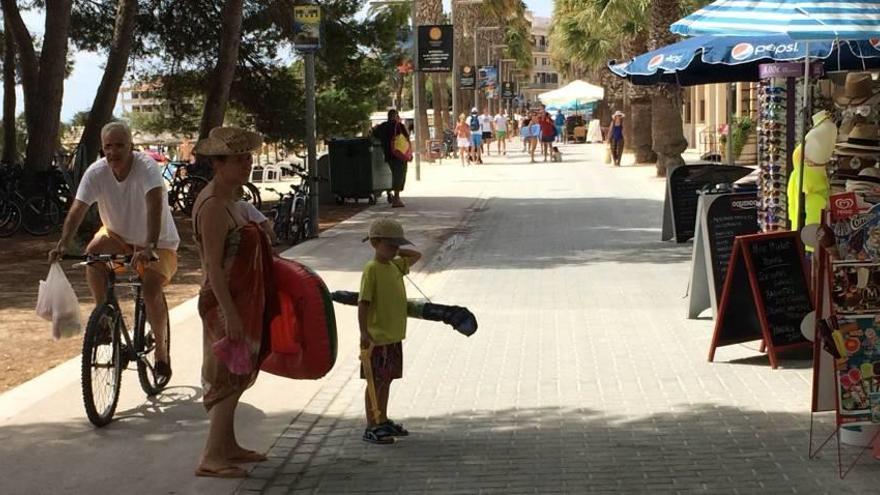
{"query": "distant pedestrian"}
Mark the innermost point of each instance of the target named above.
(487, 128)
(524, 133)
(463, 139)
(548, 134)
(534, 136)
(615, 137)
(382, 314)
(385, 133)
(560, 126)
(501, 132)
(476, 136)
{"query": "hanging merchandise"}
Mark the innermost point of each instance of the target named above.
(772, 156)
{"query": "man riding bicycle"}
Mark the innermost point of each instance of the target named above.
(133, 206)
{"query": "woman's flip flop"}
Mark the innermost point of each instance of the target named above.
(224, 472)
(249, 456)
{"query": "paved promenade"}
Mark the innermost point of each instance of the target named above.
(584, 377)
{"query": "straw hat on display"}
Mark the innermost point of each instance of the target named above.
(227, 141)
(858, 88)
(863, 140)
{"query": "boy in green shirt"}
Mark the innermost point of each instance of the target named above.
(382, 314)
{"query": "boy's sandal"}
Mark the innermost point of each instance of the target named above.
(396, 429)
(380, 434)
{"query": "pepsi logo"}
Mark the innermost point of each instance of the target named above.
(655, 61)
(742, 51)
(844, 203)
(875, 42)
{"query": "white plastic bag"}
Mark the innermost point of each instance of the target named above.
(57, 302)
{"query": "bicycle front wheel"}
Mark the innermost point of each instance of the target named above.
(145, 340)
(102, 364)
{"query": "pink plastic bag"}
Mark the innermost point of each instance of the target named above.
(235, 354)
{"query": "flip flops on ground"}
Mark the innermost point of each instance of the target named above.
(222, 472)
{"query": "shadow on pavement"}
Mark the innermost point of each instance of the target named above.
(705, 449)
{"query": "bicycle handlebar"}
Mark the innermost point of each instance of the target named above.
(102, 258)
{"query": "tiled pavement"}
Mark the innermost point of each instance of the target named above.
(584, 377)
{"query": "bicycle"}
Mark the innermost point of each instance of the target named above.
(291, 215)
(38, 213)
(109, 346)
(186, 181)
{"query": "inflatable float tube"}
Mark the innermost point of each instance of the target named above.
(303, 335)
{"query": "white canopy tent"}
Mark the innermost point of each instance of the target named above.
(574, 94)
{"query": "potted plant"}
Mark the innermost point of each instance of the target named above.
(742, 129)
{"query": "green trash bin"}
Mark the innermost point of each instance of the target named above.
(357, 170)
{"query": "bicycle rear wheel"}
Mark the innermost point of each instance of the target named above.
(186, 192)
(102, 364)
(40, 214)
(10, 220)
(145, 345)
(252, 195)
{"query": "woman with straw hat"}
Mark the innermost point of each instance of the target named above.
(233, 302)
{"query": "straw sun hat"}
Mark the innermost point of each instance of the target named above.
(226, 141)
(856, 90)
(863, 140)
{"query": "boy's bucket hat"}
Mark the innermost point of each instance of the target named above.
(388, 229)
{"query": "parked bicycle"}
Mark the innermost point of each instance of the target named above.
(40, 212)
(291, 216)
(186, 181)
(109, 345)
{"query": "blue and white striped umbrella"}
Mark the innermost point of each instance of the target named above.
(799, 19)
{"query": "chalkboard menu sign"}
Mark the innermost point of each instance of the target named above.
(728, 216)
(722, 217)
(782, 286)
(681, 194)
(766, 294)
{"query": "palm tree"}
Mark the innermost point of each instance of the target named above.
(585, 35)
(669, 140)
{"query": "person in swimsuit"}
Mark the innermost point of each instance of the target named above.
(236, 294)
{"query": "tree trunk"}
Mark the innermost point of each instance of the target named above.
(668, 129)
(641, 130)
(9, 135)
(42, 80)
(114, 72)
(224, 72)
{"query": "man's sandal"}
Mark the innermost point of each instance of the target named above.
(396, 429)
(381, 435)
(248, 457)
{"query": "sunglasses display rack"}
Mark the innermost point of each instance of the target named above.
(772, 155)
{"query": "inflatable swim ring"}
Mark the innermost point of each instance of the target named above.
(303, 335)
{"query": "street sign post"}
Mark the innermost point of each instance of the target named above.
(307, 40)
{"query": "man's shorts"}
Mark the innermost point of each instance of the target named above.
(477, 139)
(487, 135)
(560, 129)
(166, 265)
(501, 134)
(387, 363)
